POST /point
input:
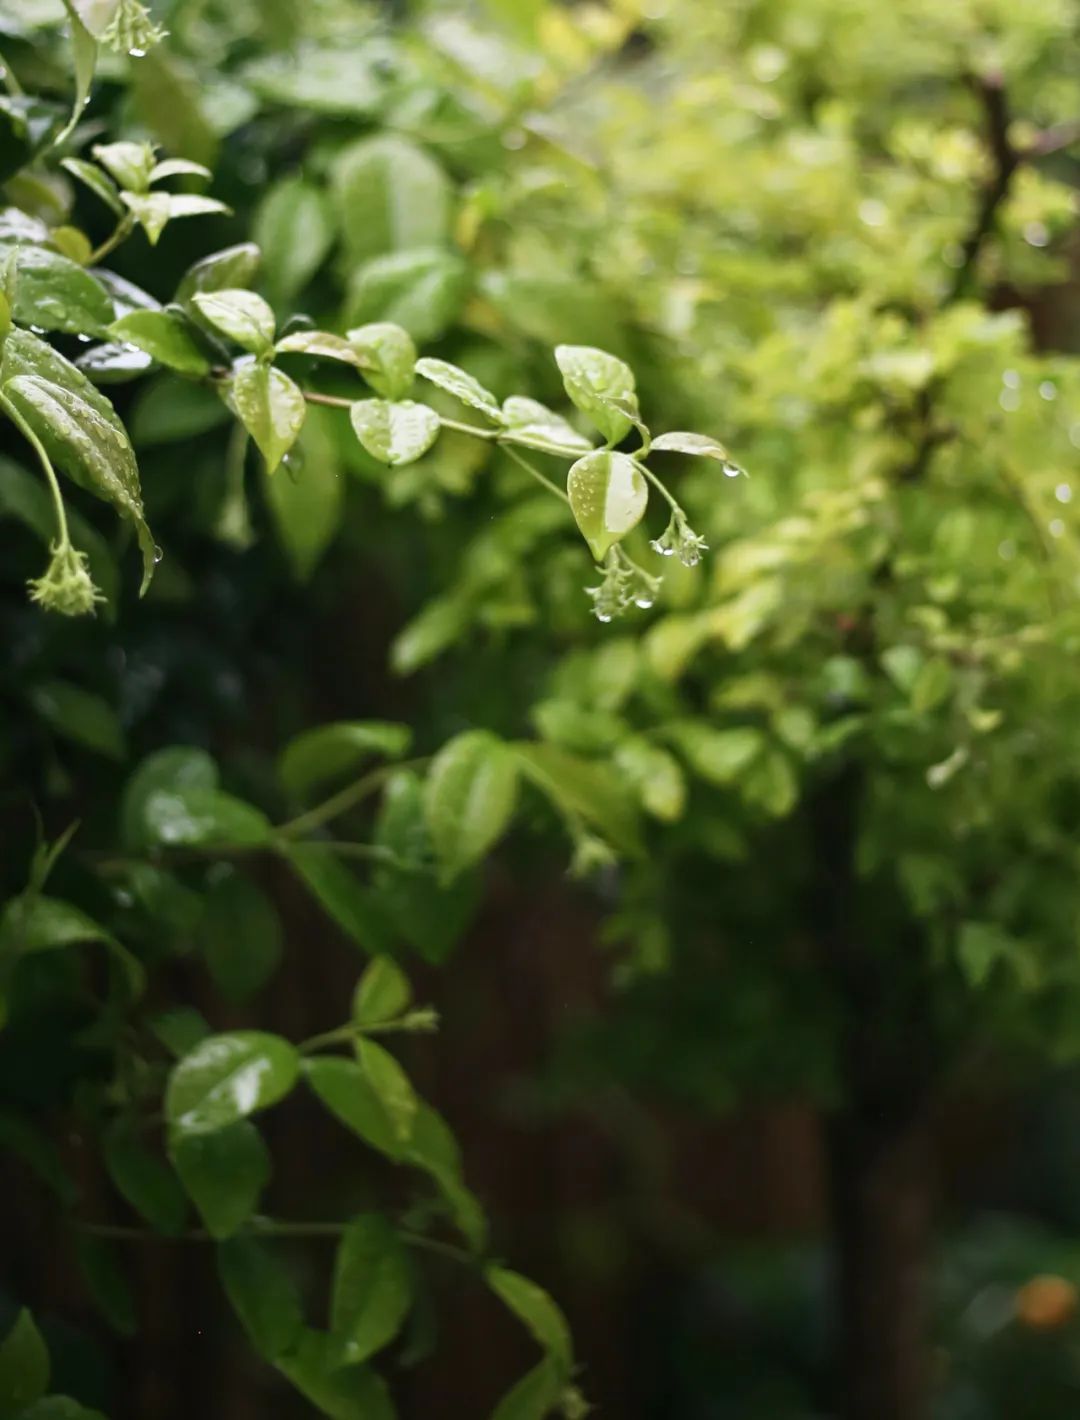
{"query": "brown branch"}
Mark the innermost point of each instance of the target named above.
(991, 90)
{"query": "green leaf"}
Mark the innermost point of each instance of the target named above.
(171, 411)
(270, 407)
(469, 798)
(293, 227)
(79, 428)
(178, 167)
(99, 183)
(348, 1094)
(80, 716)
(106, 1283)
(144, 1179)
(608, 496)
(583, 790)
(262, 1294)
(394, 433)
(372, 1289)
(528, 421)
(655, 776)
(129, 163)
(536, 1310)
(202, 818)
(390, 196)
(230, 269)
(174, 770)
(439, 625)
(84, 52)
(95, 15)
(24, 1365)
(699, 445)
(241, 316)
(52, 292)
(391, 1085)
(319, 344)
(331, 751)
(534, 1397)
(228, 1077)
(461, 385)
(352, 906)
(387, 357)
(59, 1407)
(307, 503)
(382, 994)
(163, 335)
(343, 1392)
(432, 1147)
(422, 291)
(179, 1030)
(593, 379)
(241, 936)
(717, 756)
(224, 1173)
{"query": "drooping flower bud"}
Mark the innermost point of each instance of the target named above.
(131, 30)
(680, 540)
(66, 586)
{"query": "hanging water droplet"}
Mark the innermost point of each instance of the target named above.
(730, 470)
(604, 616)
(158, 554)
(644, 601)
(137, 53)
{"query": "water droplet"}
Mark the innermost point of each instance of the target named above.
(1057, 528)
(137, 53)
(1036, 234)
(1048, 390)
(1063, 493)
(1009, 400)
(158, 554)
(872, 212)
(1011, 378)
(604, 616)
(730, 470)
(644, 601)
(84, 339)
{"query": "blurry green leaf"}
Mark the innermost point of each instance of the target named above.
(348, 1094)
(271, 408)
(698, 444)
(349, 903)
(432, 1147)
(593, 379)
(608, 497)
(59, 1407)
(469, 798)
(232, 268)
(422, 291)
(461, 385)
(24, 1365)
(80, 716)
(20, 1137)
(535, 1309)
(372, 1288)
(390, 196)
(228, 1077)
(84, 50)
(241, 315)
(175, 770)
(98, 182)
(106, 1283)
(655, 775)
(421, 640)
(155, 210)
(224, 1173)
(307, 502)
(262, 1294)
(391, 1086)
(168, 97)
(35, 923)
(342, 1392)
(582, 789)
(180, 1029)
(533, 1397)
(718, 756)
(144, 1179)
(394, 433)
(387, 357)
(382, 993)
(771, 783)
(932, 685)
(344, 79)
(331, 751)
(295, 232)
(163, 335)
(53, 293)
(197, 817)
(170, 410)
(241, 936)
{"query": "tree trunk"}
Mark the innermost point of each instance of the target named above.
(880, 1195)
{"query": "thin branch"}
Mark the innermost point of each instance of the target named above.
(344, 800)
(1006, 159)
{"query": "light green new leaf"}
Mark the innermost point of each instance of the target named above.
(469, 798)
(163, 335)
(24, 1365)
(655, 775)
(608, 497)
(348, 1094)
(717, 756)
(536, 1310)
(228, 1077)
(699, 445)
(372, 1288)
(329, 751)
(144, 1179)
(461, 385)
(178, 167)
(391, 1085)
(262, 1294)
(394, 433)
(52, 292)
(534, 1397)
(321, 344)
(528, 421)
(390, 196)
(129, 163)
(270, 407)
(224, 1173)
(241, 936)
(581, 789)
(293, 227)
(382, 994)
(593, 379)
(99, 183)
(387, 357)
(85, 15)
(242, 316)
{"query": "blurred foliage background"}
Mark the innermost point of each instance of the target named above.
(842, 238)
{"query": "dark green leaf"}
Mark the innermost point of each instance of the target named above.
(165, 336)
(262, 1294)
(53, 293)
(534, 1397)
(228, 1077)
(469, 798)
(106, 1283)
(347, 1093)
(241, 936)
(175, 770)
(330, 751)
(224, 1173)
(343, 1392)
(230, 269)
(144, 1179)
(532, 1306)
(372, 1288)
(79, 716)
(352, 906)
(391, 1085)
(24, 1365)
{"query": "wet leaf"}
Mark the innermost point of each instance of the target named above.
(608, 497)
(228, 1077)
(469, 798)
(394, 433)
(271, 408)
